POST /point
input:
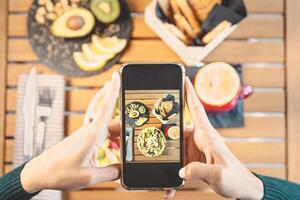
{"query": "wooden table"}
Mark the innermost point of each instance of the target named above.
(267, 44)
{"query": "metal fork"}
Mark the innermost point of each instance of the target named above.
(44, 110)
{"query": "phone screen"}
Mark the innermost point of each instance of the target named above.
(152, 142)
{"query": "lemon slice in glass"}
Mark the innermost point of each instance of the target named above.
(92, 54)
(86, 64)
(112, 45)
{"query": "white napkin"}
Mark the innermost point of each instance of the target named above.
(54, 124)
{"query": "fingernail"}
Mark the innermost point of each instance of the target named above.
(182, 173)
(114, 76)
(189, 81)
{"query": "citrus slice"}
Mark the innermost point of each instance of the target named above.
(93, 54)
(174, 132)
(217, 84)
(112, 45)
(87, 65)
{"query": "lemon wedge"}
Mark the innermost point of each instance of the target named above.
(112, 45)
(86, 64)
(92, 54)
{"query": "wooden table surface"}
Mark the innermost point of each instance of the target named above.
(266, 44)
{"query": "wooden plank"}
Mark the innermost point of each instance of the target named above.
(8, 168)
(293, 85)
(252, 75)
(14, 70)
(247, 152)
(259, 6)
(249, 28)
(277, 172)
(3, 53)
(256, 6)
(17, 25)
(156, 50)
(259, 126)
(141, 195)
(228, 51)
(252, 26)
(259, 152)
(241, 51)
(258, 76)
(269, 101)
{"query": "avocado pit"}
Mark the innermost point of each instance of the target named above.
(75, 22)
(105, 7)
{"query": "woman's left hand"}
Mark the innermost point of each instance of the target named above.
(70, 164)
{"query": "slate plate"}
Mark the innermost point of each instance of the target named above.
(230, 119)
(56, 53)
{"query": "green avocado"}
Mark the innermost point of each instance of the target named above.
(106, 11)
(133, 114)
(76, 22)
(142, 110)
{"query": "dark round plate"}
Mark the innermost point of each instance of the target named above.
(56, 52)
(131, 121)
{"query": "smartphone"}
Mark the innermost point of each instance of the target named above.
(152, 139)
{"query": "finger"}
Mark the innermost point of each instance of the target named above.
(90, 112)
(107, 105)
(192, 151)
(208, 158)
(104, 113)
(170, 194)
(104, 174)
(196, 109)
(187, 131)
(198, 170)
(114, 128)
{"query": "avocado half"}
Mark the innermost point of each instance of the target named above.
(106, 11)
(76, 22)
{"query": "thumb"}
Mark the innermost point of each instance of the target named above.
(195, 107)
(104, 174)
(198, 170)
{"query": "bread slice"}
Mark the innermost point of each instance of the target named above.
(187, 11)
(202, 8)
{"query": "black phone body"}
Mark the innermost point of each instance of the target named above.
(152, 142)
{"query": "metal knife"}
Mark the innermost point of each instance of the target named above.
(29, 107)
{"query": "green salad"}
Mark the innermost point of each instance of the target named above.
(151, 142)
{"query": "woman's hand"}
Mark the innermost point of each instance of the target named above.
(210, 160)
(70, 164)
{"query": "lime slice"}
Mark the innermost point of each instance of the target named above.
(112, 45)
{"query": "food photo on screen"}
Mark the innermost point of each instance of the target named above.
(152, 124)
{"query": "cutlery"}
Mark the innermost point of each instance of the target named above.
(128, 144)
(28, 109)
(44, 110)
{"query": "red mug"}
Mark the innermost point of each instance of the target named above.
(244, 92)
(211, 78)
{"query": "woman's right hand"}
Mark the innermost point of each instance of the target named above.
(220, 169)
